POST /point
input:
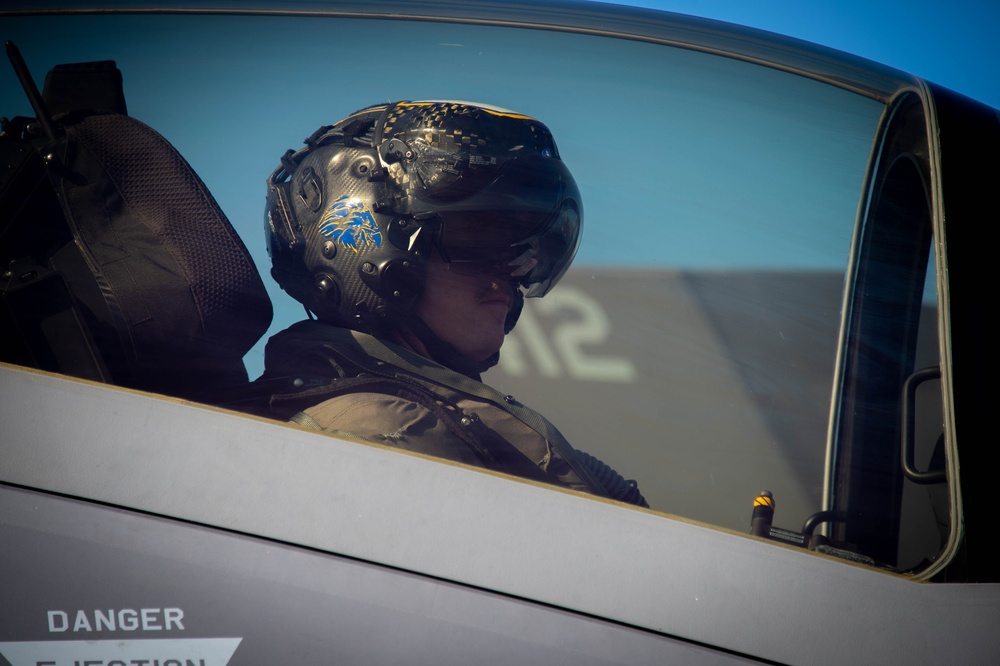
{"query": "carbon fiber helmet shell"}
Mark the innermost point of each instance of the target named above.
(331, 251)
(492, 178)
(352, 217)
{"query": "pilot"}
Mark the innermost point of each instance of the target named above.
(412, 232)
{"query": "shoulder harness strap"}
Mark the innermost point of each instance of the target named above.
(495, 452)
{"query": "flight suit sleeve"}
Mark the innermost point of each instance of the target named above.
(391, 421)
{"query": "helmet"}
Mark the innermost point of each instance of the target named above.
(352, 217)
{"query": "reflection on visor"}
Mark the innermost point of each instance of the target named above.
(511, 265)
(536, 263)
(524, 264)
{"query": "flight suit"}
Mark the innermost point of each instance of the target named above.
(357, 386)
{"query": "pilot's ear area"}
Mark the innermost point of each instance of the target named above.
(92, 87)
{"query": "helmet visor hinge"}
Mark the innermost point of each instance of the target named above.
(395, 150)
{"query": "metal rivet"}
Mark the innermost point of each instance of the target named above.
(368, 267)
(329, 249)
(509, 399)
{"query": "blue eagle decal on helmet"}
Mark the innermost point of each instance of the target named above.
(351, 223)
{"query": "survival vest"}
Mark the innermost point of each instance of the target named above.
(312, 362)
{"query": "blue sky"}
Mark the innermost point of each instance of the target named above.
(954, 43)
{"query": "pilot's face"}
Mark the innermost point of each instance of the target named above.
(467, 311)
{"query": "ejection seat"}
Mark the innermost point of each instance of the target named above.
(118, 264)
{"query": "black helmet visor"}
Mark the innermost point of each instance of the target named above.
(525, 224)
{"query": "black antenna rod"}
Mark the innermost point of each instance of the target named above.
(30, 89)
